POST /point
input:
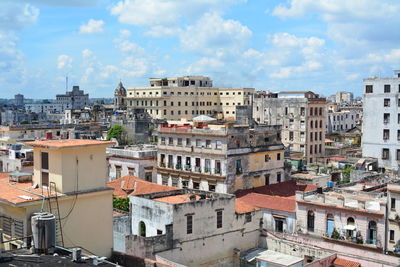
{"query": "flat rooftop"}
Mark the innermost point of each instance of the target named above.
(278, 258)
(68, 143)
(307, 176)
(178, 199)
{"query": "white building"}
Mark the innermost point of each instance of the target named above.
(44, 107)
(139, 161)
(341, 121)
(192, 227)
(381, 122)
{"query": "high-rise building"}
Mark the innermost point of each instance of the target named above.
(381, 120)
(75, 99)
(188, 97)
(19, 100)
(302, 116)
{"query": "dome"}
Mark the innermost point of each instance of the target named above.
(120, 90)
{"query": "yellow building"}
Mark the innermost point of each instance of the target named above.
(71, 173)
(187, 97)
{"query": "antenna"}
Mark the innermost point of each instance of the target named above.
(66, 83)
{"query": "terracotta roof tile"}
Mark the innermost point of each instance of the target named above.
(244, 207)
(132, 185)
(345, 263)
(68, 143)
(15, 193)
(269, 202)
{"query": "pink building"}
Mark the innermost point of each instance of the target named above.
(347, 217)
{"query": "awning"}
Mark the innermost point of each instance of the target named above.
(350, 227)
(279, 216)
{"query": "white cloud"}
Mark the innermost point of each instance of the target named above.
(92, 27)
(15, 16)
(162, 31)
(165, 12)
(64, 62)
(205, 64)
(211, 34)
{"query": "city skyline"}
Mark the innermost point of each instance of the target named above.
(320, 46)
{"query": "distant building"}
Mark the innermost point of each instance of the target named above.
(19, 100)
(17, 158)
(220, 158)
(75, 99)
(188, 97)
(44, 107)
(344, 97)
(120, 97)
(381, 132)
(139, 161)
(393, 217)
(302, 117)
(341, 121)
(136, 122)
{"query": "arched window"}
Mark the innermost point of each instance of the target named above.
(142, 229)
(310, 221)
(330, 225)
(371, 233)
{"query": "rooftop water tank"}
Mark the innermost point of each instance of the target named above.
(43, 232)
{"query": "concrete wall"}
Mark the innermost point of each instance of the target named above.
(289, 225)
(155, 215)
(139, 166)
(121, 228)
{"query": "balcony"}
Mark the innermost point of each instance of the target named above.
(178, 166)
(197, 169)
(188, 168)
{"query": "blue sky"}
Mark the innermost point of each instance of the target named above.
(324, 46)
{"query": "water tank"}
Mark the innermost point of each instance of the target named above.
(330, 184)
(43, 232)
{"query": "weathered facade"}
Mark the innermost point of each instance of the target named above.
(381, 132)
(302, 117)
(191, 227)
(220, 158)
(187, 97)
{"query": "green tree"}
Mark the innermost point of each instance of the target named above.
(346, 172)
(116, 131)
(121, 203)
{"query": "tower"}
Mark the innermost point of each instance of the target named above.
(120, 97)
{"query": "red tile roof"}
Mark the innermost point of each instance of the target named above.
(244, 207)
(68, 143)
(269, 202)
(15, 193)
(345, 263)
(283, 189)
(132, 185)
(176, 199)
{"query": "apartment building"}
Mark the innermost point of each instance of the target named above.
(187, 97)
(343, 97)
(68, 181)
(393, 217)
(302, 116)
(340, 121)
(188, 227)
(220, 158)
(381, 122)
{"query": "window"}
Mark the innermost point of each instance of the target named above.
(170, 141)
(267, 179)
(391, 235)
(266, 158)
(278, 177)
(398, 135)
(208, 143)
(219, 219)
(385, 153)
(239, 166)
(118, 171)
(278, 225)
(291, 136)
(371, 234)
(45, 160)
(386, 102)
(311, 137)
(189, 224)
(217, 167)
(131, 171)
(386, 134)
(248, 217)
(198, 142)
(387, 88)
(310, 221)
(386, 118)
(188, 143)
(278, 156)
(218, 144)
(179, 141)
(369, 89)
(393, 203)
(398, 154)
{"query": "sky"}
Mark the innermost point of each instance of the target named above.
(324, 46)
